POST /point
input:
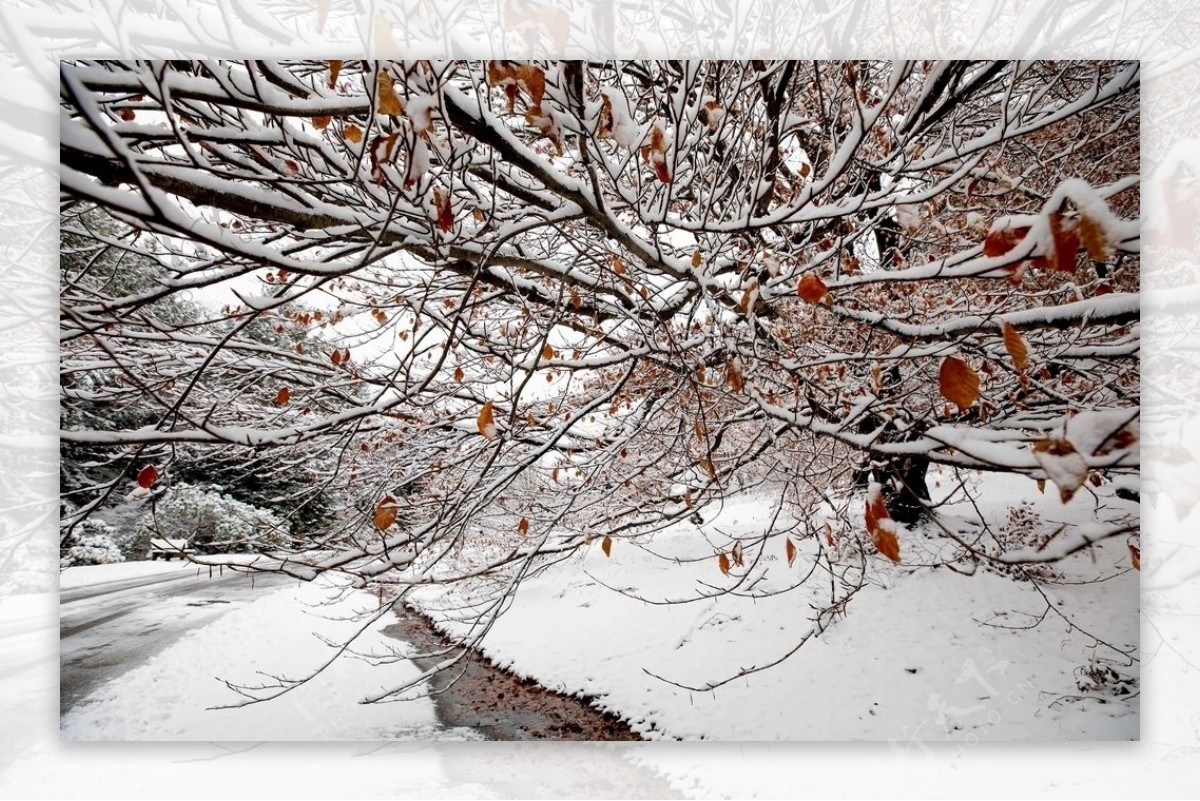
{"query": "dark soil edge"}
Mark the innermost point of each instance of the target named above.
(479, 694)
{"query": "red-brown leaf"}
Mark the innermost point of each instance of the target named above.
(523, 527)
(606, 546)
(147, 477)
(723, 563)
(998, 243)
(335, 67)
(283, 396)
(790, 548)
(1066, 245)
(445, 218)
(958, 383)
(661, 171)
(811, 288)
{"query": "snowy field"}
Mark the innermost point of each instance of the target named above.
(918, 656)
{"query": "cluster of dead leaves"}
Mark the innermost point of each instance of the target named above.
(1068, 235)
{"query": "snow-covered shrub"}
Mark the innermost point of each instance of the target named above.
(94, 544)
(211, 521)
(26, 561)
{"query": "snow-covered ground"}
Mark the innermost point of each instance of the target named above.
(88, 575)
(173, 695)
(919, 656)
(851, 658)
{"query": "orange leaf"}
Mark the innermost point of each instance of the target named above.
(283, 396)
(1014, 343)
(498, 71)
(523, 527)
(697, 258)
(1135, 557)
(320, 123)
(389, 103)
(458, 374)
(547, 352)
(352, 133)
(336, 357)
(1094, 239)
(881, 526)
(733, 375)
(723, 563)
(486, 422)
(1066, 245)
(606, 545)
(887, 544)
(811, 289)
(876, 511)
(958, 383)
(385, 512)
(147, 477)
(335, 67)
(791, 551)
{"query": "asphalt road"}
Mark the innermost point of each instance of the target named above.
(108, 629)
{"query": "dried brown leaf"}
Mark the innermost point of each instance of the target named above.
(958, 383)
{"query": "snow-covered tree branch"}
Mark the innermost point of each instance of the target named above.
(516, 308)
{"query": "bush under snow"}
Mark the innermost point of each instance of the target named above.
(96, 544)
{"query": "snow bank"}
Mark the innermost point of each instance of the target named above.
(921, 655)
(87, 575)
